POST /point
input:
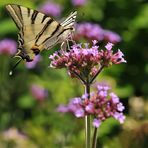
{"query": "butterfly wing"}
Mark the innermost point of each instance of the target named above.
(37, 30)
(61, 35)
(70, 20)
(34, 28)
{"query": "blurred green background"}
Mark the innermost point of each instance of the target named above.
(26, 120)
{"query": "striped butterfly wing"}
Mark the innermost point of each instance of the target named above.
(61, 35)
(37, 30)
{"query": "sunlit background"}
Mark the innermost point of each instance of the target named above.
(29, 98)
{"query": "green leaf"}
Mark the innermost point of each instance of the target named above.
(26, 102)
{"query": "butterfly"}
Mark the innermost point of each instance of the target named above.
(38, 31)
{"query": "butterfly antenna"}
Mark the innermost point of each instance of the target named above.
(11, 71)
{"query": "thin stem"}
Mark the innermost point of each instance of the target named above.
(87, 132)
(79, 76)
(87, 88)
(94, 142)
(100, 69)
(87, 121)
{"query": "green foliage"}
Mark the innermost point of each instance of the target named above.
(39, 121)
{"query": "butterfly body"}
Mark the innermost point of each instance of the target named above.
(38, 31)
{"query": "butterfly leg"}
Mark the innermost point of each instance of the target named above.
(67, 41)
(65, 46)
(71, 39)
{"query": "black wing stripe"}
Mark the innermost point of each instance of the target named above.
(15, 23)
(52, 34)
(43, 30)
(20, 40)
(16, 13)
(20, 12)
(20, 37)
(34, 16)
(20, 43)
(63, 31)
(28, 11)
(13, 13)
(44, 18)
(56, 29)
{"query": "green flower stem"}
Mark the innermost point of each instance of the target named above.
(101, 68)
(79, 76)
(87, 121)
(94, 142)
(87, 132)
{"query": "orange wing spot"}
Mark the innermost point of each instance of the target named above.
(35, 50)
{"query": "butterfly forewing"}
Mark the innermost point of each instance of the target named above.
(70, 20)
(14, 12)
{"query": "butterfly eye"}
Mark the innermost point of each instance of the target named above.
(72, 29)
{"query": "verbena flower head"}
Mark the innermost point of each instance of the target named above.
(100, 105)
(8, 47)
(111, 36)
(38, 92)
(92, 31)
(89, 31)
(108, 57)
(78, 2)
(80, 60)
(51, 8)
(85, 60)
(32, 64)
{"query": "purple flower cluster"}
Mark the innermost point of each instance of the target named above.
(85, 61)
(8, 47)
(38, 92)
(101, 105)
(51, 8)
(78, 2)
(108, 57)
(111, 36)
(93, 31)
(32, 64)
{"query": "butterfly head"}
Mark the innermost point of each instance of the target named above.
(24, 56)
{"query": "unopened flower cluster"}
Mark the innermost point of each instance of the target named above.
(8, 47)
(101, 105)
(38, 92)
(92, 31)
(78, 2)
(86, 61)
(51, 8)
